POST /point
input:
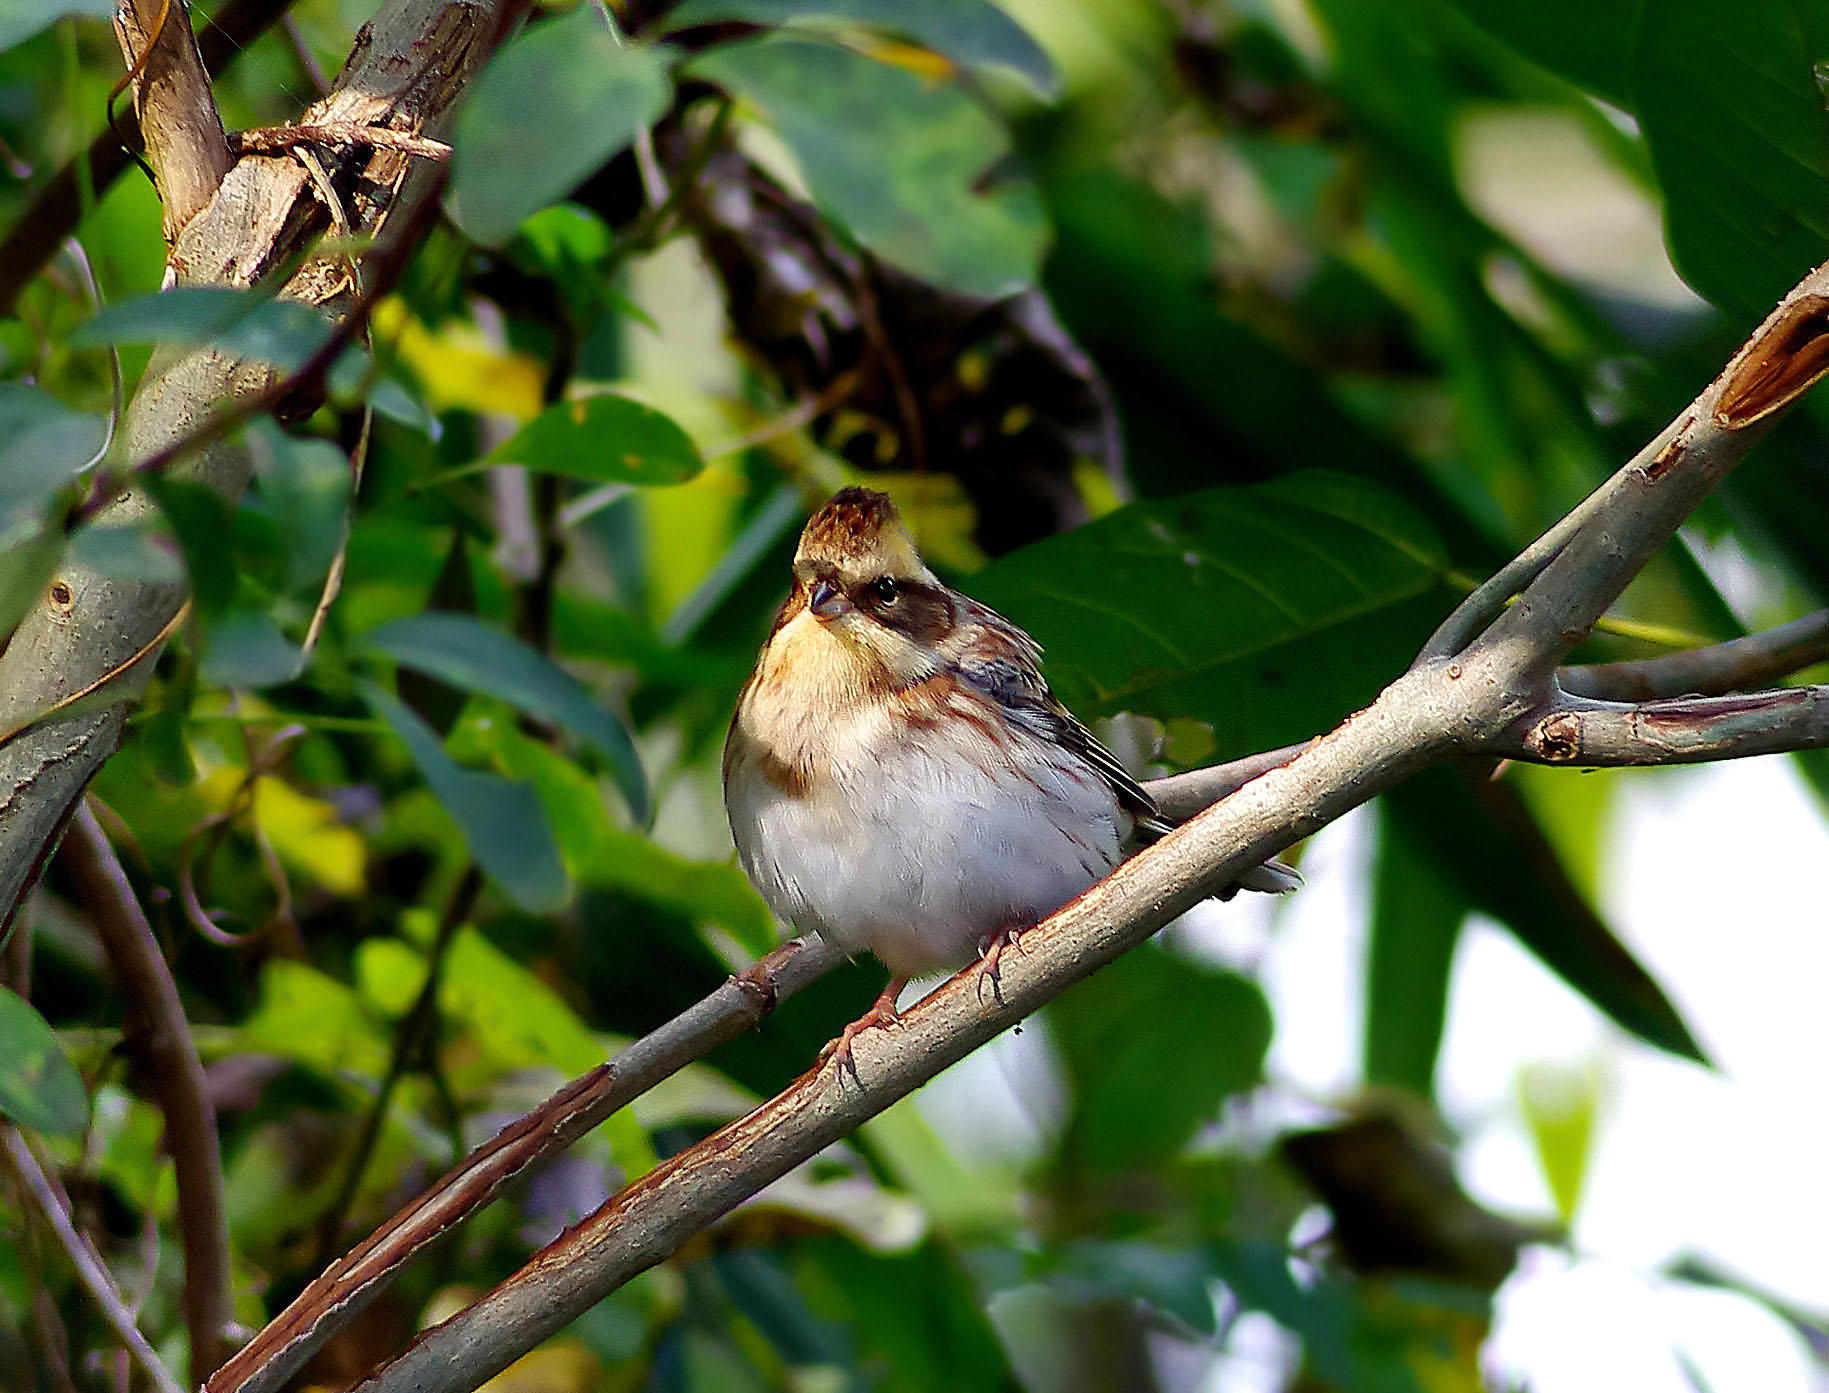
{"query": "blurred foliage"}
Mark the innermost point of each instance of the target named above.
(1222, 345)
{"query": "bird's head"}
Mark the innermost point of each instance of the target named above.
(860, 584)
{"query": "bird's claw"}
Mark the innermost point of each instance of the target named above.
(990, 958)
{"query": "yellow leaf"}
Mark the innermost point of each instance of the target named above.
(458, 367)
(306, 834)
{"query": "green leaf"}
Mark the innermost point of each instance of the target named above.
(915, 169)
(973, 33)
(606, 857)
(304, 487)
(239, 323)
(39, 1086)
(244, 648)
(46, 446)
(20, 19)
(1733, 113)
(26, 568)
(501, 819)
(1140, 1094)
(1416, 923)
(1483, 837)
(555, 105)
(309, 1016)
(201, 519)
(603, 439)
(1586, 41)
(1560, 1106)
(465, 653)
(1215, 605)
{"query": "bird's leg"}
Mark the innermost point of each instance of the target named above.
(881, 1013)
(990, 956)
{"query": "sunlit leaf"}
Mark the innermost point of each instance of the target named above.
(309, 1016)
(603, 438)
(501, 819)
(39, 1086)
(974, 33)
(556, 104)
(1560, 1106)
(470, 655)
(916, 170)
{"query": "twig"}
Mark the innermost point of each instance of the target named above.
(410, 1038)
(1179, 796)
(90, 1270)
(268, 138)
(349, 1284)
(160, 1035)
(1737, 665)
(1685, 730)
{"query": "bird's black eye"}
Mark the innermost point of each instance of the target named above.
(884, 590)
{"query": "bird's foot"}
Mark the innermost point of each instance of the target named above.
(757, 981)
(882, 1013)
(990, 957)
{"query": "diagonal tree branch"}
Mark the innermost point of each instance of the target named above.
(160, 1036)
(1483, 680)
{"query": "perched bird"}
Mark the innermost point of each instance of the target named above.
(899, 777)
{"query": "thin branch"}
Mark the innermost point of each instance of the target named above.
(349, 1284)
(410, 1039)
(185, 141)
(270, 138)
(1685, 730)
(160, 1036)
(90, 1270)
(1179, 796)
(1735, 666)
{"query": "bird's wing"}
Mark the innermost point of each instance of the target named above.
(1005, 666)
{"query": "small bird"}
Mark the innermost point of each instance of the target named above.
(899, 777)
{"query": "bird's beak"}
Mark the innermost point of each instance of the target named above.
(827, 601)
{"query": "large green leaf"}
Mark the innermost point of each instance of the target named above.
(1153, 1044)
(242, 323)
(603, 439)
(1480, 835)
(501, 819)
(974, 33)
(1585, 41)
(1732, 109)
(469, 655)
(1214, 605)
(39, 1086)
(1417, 914)
(912, 167)
(556, 104)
